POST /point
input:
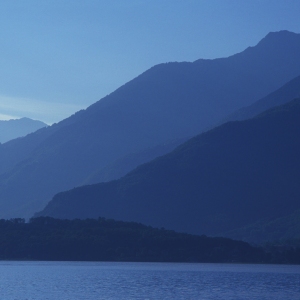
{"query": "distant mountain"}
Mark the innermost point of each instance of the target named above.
(234, 175)
(167, 102)
(12, 129)
(125, 164)
(286, 93)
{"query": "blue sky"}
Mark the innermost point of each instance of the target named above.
(59, 56)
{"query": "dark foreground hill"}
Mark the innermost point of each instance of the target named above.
(167, 102)
(13, 129)
(108, 240)
(224, 179)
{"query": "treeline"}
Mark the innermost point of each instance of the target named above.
(45, 238)
(285, 251)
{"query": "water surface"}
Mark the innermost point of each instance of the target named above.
(107, 280)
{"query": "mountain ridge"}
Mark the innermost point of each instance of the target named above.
(166, 102)
(16, 128)
(281, 96)
(223, 179)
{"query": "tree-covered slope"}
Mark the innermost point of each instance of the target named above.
(108, 240)
(231, 176)
(167, 102)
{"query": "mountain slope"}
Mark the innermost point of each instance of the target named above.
(286, 93)
(167, 102)
(125, 164)
(12, 129)
(231, 176)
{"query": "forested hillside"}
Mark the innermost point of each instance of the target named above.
(108, 240)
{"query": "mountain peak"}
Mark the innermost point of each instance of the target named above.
(280, 37)
(281, 33)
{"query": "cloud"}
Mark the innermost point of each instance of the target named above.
(48, 112)
(4, 117)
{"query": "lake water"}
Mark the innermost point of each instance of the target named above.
(106, 280)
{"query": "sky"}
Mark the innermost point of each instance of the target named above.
(60, 56)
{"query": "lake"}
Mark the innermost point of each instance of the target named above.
(109, 280)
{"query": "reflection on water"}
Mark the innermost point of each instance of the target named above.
(88, 280)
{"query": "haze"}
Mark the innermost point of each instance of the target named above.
(58, 57)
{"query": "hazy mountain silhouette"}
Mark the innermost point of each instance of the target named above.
(125, 164)
(234, 175)
(286, 93)
(122, 166)
(167, 102)
(12, 129)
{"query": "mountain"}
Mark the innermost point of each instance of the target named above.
(167, 102)
(125, 164)
(13, 129)
(234, 175)
(122, 166)
(286, 93)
